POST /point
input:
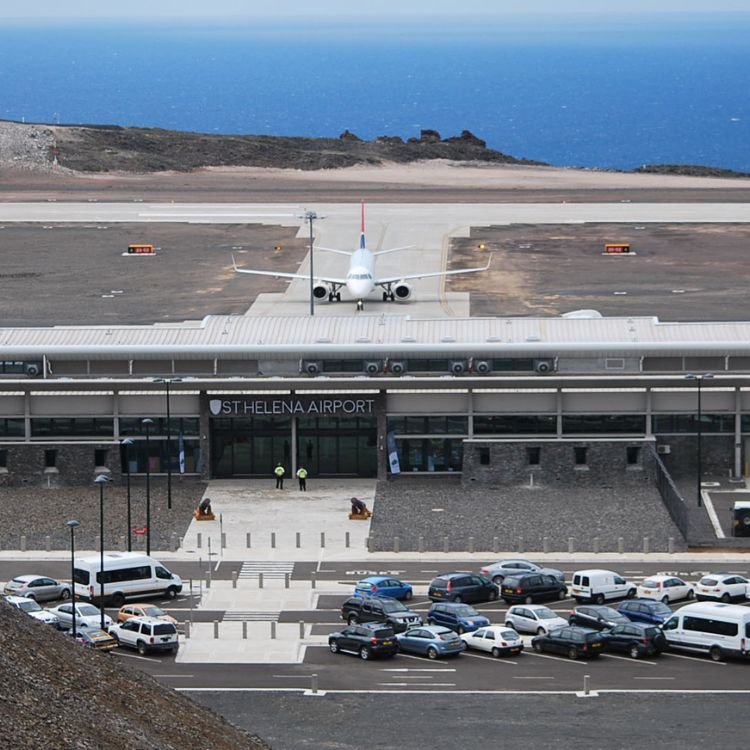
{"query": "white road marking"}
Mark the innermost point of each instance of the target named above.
(420, 658)
(295, 676)
(133, 656)
(696, 658)
(712, 515)
(558, 658)
(526, 677)
(417, 669)
(490, 658)
(654, 678)
(627, 658)
(407, 684)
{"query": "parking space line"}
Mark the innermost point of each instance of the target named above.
(417, 669)
(628, 659)
(421, 658)
(411, 684)
(654, 678)
(557, 658)
(134, 656)
(488, 658)
(527, 677)
(695, 658)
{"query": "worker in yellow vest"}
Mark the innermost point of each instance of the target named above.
(279, 471)
(302, 476)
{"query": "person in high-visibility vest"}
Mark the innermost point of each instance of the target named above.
(279, 472)
(302, 476)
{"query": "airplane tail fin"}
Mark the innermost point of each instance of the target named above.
(362, 241)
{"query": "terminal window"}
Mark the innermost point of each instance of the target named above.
(3, 459)
(633, 455)
(580, 455)
(50, 458)
(484, 456)
(533, 455)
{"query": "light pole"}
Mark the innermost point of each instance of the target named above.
(73, 525)
(166, 382)
(101, 480)
(147, 422)
(127, 442)
(699, 381)
(310, 217)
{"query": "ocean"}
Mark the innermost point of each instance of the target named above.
(611, 96)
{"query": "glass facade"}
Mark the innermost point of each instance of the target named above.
(47, 427)
(12, 427)
(664, 424)
(430, 454)
(515, 424)
(610, 424)
(141, 457)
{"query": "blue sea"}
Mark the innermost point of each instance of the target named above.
(604, 95)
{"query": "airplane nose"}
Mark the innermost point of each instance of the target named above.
(358, 289)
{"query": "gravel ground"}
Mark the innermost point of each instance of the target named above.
(41, 513)
(518, 516)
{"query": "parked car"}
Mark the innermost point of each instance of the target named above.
(384, 586)
(462, 587)
(723, 586)
(533, 618)
(498, 570)
(645, 610)
(38, 588)
(32, 608)
(146, 634)
(597, 586)
(531, 587)
(459, 617)
(636, 639)
(143, 610)
(87, 616)
(596, 617)
(431, 641)
(494, 639)
(358, 609)
(367, 640)
(572, 641)
(95, 638)
(666, 589)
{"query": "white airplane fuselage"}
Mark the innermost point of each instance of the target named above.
(360, 277)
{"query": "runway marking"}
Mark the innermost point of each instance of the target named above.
(489, 658)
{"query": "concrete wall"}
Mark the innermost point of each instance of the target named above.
(717, 453)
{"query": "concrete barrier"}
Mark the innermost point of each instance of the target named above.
(216, 628)
(571, 545)
(396, 544)
(244, 630)
(248, 540)
(234, 579)
(620, 545)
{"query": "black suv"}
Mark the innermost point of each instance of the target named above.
(532, 587)
(462, 587)
(635, 639)
(371, 639)
(358, 609)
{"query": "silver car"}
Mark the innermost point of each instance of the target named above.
(498, 570)
(38, 588)
(87, 616)
(31, 608)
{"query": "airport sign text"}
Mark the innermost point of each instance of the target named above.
(289, 405)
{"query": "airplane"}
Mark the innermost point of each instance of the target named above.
(360, 279)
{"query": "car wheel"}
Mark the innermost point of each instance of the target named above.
(631, 593)
(432, 653)
(460, 629)
(334, 647)
(30, 596)
(141, 648)
(509, 624)
(540, 631)
(458, 599)
(691, 594)
(561, 594)
(665, 599)
(725, 597)
(409, 595)
(492, 596)
(497, 580)
(352, 619)
(529, 599)
(538, 647)
(174, 650)
(172, 592)
(430, 621)
(364, 653)
(65, 594)
(599, 599)
(118, 600)
(572, 653)
(634, 652)
(495, 652)
(715, 653)
(114, 635)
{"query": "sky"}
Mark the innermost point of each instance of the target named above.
(68, 11)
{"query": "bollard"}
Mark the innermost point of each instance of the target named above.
(301, 628)
(471, 544)
(314, 684)
(495, 545)
(244, 630)
(446, 545)
(234, 579)
(312, 579)
(396, 544)
(545, 544)
(97, 542)
(571, 545)
(260, 580)
(299, 540)
(187, 629)
(368, 544)
(199, 540)
(273, 539)
(173, 542)
(670, 545)
(180, 540)
(48, 543)
(347, 539)
(646, 544)
(190, 599)
(223, 539)
(216, 628)
(586, 679)
(273, 630)
(248, 543)
(420, 544)
(520, 545)
(596, 544)
(322, 539)
(208, 582)
(122, 542)
(620, 545)
(286, 580)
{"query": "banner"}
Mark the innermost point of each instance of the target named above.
(393, 461)
(181, 453)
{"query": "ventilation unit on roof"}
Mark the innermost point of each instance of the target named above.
(458, 366)
(312, 366)
(544, 366)
(373, 366)
(482, 366)
(33, 369)
(397, 367)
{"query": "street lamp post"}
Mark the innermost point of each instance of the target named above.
(167, 382)
(147, 422)
(310, 217)
(101, 480)
(699, 382)
(127, 442)
(73, 525)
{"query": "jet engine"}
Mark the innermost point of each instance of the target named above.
(321, 290)
(402, 291)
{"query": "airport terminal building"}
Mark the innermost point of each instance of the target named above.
(371, 395)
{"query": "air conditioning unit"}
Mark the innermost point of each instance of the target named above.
(544, 366)
(458, 366)
(482, 366)
(312, 366)
(33, 369)
(397, 367)
(664, 449)
(373, 366)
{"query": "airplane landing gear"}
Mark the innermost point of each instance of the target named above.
(389, 297)
(360, 305)
(334, 297)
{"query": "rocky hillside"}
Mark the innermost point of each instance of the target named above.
(58, 694)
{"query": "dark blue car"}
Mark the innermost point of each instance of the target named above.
(459, 617)
(645, 610)
(384, 586)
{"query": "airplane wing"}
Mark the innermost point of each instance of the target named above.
(332, 250)
(285, 275)
(393, 250)
(408, 277)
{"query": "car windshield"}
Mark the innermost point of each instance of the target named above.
(465, 611)
(609, 613)
(153, 612)
(29, 606)
(709, 581)
(651, 583)
(661, 609)
(443, 631)
(508, 635)
(86, 610)
(545, 614)
(393, 606)
(383, 633)
(164, 629)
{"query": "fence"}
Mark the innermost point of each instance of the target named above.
(673, 501)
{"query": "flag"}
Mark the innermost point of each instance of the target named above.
(181, 453)
(393, 461)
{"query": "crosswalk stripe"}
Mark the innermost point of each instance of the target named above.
(270, 569)
(251, 616)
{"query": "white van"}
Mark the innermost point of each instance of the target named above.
(712, 628)
(600, 585)
(126, 575)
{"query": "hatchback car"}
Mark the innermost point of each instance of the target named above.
(32, 608)
(459, 617)
(597, 617)
(498, 570)
(367, 641)
(384, 586)
(431, 641)
(666, 589)
(494, 639)
(38, 588)
(87, 616)
(723, 586)
(533, 618)
(95, 638)
(462, 587)
(532, 587)
(146, 634)
(572, 641)
(636, 639)
(645, 610)
(143, 610)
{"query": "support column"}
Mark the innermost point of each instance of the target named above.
(737, 474)
(205, 436)
(559, 404)
(382, 423)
